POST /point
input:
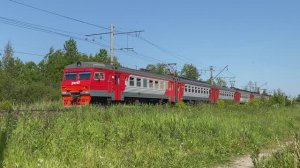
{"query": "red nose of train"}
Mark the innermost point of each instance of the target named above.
(76, 93)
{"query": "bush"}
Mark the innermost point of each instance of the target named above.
(221, 103)
(254, 103)
(288, 102)
(278, 98)
(181, 105)
(6, 105)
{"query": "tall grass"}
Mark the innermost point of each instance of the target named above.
(144, 136)
(286, 157)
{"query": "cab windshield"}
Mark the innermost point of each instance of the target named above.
(77, 76)
(84, 75)
(70, 76)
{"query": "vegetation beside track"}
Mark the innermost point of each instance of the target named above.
(286, 157)
(141, 136)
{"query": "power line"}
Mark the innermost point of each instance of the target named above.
(40, 28)
(178, 56)
(140, 56)
(26, 53)
(132, 52)
(145, 56)
(160, 48)
(102, 27)
(54, 31)
(57, 14)
(168, 52)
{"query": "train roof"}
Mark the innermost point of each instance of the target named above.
(225, 88)
(143, 72)
(243, 90)
(121, 69)
(194, 82)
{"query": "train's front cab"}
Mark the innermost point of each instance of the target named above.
(78, 82)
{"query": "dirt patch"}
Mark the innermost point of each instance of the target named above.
(246, 161)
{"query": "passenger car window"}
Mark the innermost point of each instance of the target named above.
(145, 83)
(131, 81)
(150, 83)
(138, 82)
(161, 85)
(156, 84)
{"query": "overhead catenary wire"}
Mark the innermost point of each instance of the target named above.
(140, 56)
(59, 15)
(102, 27)
(154, 60)
(26, 53)
(40, 28)
(167, 52)
(180, 57)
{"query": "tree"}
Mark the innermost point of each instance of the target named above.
(53, 65)
(221, 82)
(30, 73)
(8, 59)
(151, 68)
(158, 68)
(279, 97)
(298, 98)
(189, 71)
(71, 52)
(101, 57)
(208, 81)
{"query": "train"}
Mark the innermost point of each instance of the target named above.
(85, 83)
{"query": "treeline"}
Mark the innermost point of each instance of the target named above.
(27, 82)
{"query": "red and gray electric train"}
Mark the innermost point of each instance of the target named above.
(91, 82)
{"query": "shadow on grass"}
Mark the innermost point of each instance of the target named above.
(3, 138)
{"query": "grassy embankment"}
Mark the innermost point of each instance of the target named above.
(141, 136)
(286, 157)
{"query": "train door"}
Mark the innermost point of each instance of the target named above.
(214, 94)
(117, 86)
(176, 91)
(252, 96)
(179, 91)
(237, 97)
(172, 91)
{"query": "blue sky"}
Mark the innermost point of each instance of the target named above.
(258, 39)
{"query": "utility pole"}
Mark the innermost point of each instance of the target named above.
(211, 75)
(232, 82)
(112, 34)
(172, 68)
(250, 85)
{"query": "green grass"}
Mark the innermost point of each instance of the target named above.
(142, 136)
(285, 158)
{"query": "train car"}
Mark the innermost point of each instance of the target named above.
(228, 94)
(195, 91)
(256, 95)
(245, 96)
(86, 82)
(92, 82)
